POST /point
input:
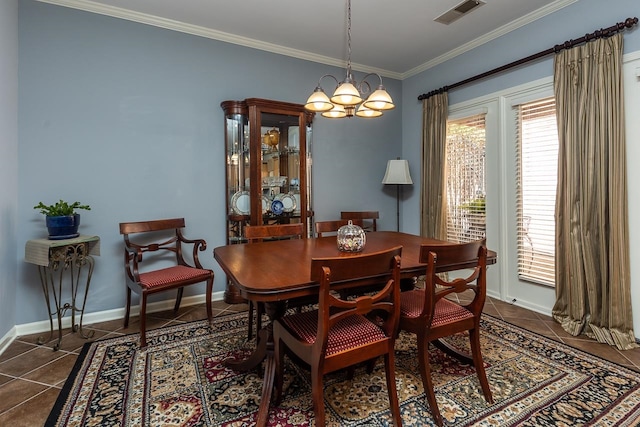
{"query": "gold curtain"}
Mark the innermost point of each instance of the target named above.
(592, 239)
(433, 203)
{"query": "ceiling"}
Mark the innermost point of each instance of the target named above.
(394, 38)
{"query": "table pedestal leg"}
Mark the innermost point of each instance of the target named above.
(257, 356)
(264, 351)
(447, 348)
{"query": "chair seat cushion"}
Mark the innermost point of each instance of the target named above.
(446, 311)
(175, 274)
(348, 333)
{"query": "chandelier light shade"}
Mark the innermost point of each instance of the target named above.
(318, 101)
(346, 94)
(347, 99)
(363, 111)
(379, 100)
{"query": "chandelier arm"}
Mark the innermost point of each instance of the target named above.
(364, 88)
(368, 90)
(373, 74)
(328, 75)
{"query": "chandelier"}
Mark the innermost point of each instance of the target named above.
(347, 99)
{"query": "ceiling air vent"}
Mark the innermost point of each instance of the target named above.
(459, 11)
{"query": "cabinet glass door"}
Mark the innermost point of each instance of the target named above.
(280, 168)
(238, 174)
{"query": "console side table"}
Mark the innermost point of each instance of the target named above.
(58, 260)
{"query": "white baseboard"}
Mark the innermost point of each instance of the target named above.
(7, 339)
(521, 303)
(100, 316)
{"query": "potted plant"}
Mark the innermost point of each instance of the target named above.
(62, 219)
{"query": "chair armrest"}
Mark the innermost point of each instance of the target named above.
(199, 245)
(131, 259)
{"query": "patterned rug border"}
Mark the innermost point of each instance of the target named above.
(625, 419)
(540, 337)
(68, 384)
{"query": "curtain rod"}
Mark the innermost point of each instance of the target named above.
(598, 34)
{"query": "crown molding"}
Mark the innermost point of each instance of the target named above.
(169, 24)
(498, 32)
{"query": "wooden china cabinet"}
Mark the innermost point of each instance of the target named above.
(268, 164)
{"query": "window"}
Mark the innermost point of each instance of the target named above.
(465, 179)
(536, 174)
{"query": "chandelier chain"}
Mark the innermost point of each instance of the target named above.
(348, 39)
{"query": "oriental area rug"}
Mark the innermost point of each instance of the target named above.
(180, 380)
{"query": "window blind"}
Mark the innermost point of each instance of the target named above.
(536, 174)
(465, 179)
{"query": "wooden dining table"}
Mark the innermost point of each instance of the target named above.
(274, 272)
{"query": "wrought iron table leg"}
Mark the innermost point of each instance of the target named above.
(42, 271)
(67, 259)
(79, 264)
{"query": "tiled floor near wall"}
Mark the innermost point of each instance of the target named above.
(31, 376)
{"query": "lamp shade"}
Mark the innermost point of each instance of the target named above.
(379, 100)
(397, 172)
(337, 112)
(318, 101)
(363, 111)
(346, 94)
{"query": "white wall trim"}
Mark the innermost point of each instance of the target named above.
(499, 32)
(7, 339)
(143, 18)
(196, 30)
(42, 327)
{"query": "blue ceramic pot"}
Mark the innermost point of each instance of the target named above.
(63, 227)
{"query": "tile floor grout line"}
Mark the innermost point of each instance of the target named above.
(30, 398)
(39, 382)
(42, 346)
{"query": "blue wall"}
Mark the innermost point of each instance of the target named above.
(126, 117)
(8, 162)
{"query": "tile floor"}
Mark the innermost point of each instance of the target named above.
(31, 375)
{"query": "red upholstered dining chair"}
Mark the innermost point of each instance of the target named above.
(339, 334)
(148, 274)
(331, 227)
(259, 233)
(431, 316)
(369, 218)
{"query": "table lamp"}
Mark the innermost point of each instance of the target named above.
(397, 173)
